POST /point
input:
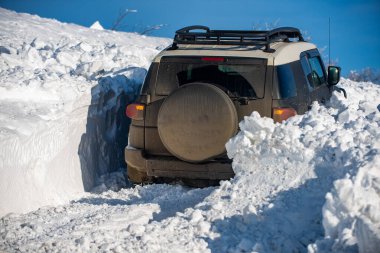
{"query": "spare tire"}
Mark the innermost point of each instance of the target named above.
(196, 121)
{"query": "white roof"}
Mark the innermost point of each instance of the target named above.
(285, 52)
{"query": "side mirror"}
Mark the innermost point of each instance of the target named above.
(333, 75)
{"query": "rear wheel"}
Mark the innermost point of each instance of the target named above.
(200, 183)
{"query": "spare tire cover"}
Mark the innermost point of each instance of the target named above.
(196, 121)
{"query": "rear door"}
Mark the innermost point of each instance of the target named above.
(242, 78)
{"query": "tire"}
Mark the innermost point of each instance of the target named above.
(195, 122)
(200, 183)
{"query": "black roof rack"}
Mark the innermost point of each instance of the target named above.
(186, 35)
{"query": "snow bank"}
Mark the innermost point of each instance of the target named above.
(63, 90)
(351, 214)
(307, 153)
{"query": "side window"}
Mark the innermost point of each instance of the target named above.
(314, 71)
(148, 78)
(317, 73)
(286, 83)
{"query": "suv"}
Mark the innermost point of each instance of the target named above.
(199, 88)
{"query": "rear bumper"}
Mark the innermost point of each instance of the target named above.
(171, 167)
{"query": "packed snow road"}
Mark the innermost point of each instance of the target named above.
(310, 184)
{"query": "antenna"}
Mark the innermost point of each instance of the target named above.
(329, 45)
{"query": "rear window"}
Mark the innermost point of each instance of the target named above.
(241, 77)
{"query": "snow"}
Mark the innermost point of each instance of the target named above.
(310, 184)
(307, 154)
(351, 214)
(97, 26)
(63, 90)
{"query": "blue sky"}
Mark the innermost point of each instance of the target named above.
(355, 25)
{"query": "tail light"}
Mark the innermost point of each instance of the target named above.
(281, 114)
(135, 111)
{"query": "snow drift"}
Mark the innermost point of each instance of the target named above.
(352, 212)
(310, 184)
(307, 153)
(63, 90)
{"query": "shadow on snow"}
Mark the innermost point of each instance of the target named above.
(170, 198)
(101, 149)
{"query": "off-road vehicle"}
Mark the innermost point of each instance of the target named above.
(199, 88)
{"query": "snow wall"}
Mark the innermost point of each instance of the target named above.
(63, 92)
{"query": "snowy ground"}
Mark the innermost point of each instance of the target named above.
(309, 184)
